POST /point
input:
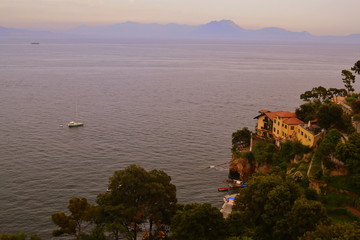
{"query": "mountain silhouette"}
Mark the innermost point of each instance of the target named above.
(214, 30)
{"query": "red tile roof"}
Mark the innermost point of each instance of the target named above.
(291, 116)
(293, 121)
(285, 114)
(281, 114)
(271, 115)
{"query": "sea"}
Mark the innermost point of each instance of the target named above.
(161, 105)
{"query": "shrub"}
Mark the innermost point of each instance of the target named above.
(311, 194)
(356, 117)
(355, 105)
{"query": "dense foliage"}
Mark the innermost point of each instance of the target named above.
(343, 231)
(136, 200)
(241, 138)
(267, 152)
(82, 215)
(263, 152)
(274, 207)
(136, 196)
(271, 207)
(355, 105)
(349, 152)
(288, 150)
(18, 236)
(328, 146)
(329, 115)
(307, 111)
(198, 222)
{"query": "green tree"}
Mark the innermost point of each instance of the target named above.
(339, 231)
(328, 145)
(329, 114)
(322, 92)
(288, 150)
(355, 105)
(97, 233)
(308, 96)
(356, 67)
(136, 196)
(304, 216)
(263, 152)
(242, 135)
(317, 94)
(349, 152)
(335, 92)
(307, 111)
(311, 194)
(198, 222)
(265, 203)
(348, 80)
(82, 215)
(161, 198)
(279, 202)
(113, 219)
(236, 224)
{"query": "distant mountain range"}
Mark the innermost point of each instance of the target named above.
(215, 30)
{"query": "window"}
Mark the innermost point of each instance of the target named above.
(292, 127)
(305, 136)
(275, 121)
(278, 132)
(274, 129)
(302, 133)
(285, 126)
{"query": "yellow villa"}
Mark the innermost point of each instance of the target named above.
(283, 125)
(308, 134)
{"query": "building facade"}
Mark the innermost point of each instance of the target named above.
(283, 125)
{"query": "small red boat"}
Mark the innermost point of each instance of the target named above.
(223, 189)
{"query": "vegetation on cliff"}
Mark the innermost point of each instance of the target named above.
(331, 167)
(339, 231)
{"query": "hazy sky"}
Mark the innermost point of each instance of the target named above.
(319, 17)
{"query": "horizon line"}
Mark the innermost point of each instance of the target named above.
(76, 25)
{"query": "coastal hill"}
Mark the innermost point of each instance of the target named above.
(318, 146)
(214, 30)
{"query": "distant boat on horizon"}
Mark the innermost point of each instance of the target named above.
(35, 43)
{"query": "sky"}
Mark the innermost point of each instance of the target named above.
(319, 17)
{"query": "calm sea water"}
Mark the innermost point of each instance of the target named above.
(162, 106)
